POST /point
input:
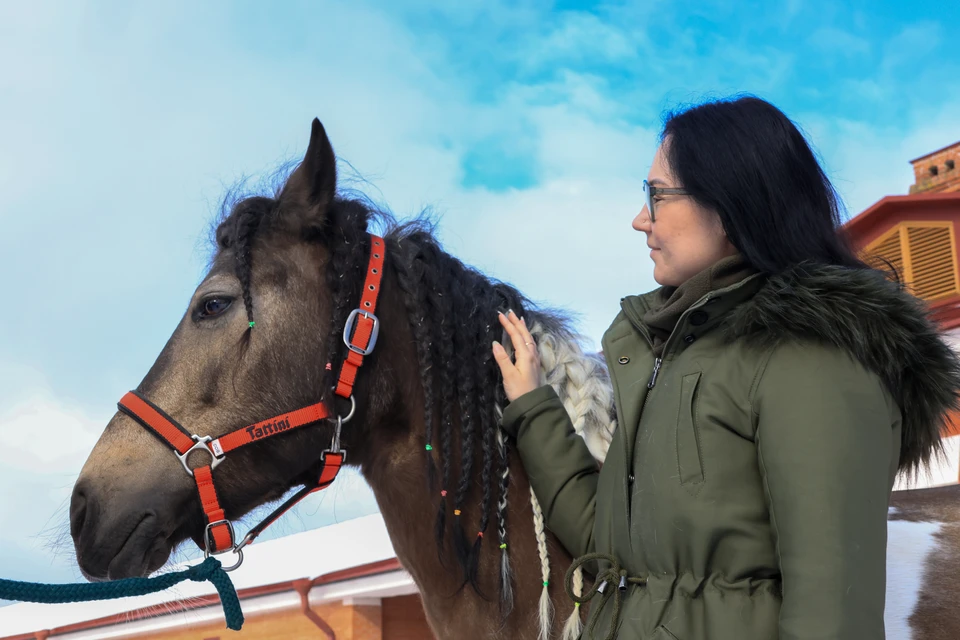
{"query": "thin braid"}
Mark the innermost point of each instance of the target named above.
(506, 571)
(546, 605)
(347, 261)
(466, 387)
(488, 431)
(416, 303)
(244, 228)
(574, 626)
(444, 306)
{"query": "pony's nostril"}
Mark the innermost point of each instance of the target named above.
(78, 512)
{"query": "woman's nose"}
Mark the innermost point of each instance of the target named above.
(642, 221)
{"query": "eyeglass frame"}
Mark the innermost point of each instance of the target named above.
(652, 191)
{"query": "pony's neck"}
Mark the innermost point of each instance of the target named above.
(453, 610)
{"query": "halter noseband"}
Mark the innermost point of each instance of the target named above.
(360, 334)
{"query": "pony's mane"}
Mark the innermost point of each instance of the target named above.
(452, 312)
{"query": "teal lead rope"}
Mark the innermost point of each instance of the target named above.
(210, 569)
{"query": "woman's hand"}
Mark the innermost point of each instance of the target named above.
(524, 376)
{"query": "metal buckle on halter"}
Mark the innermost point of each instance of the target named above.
(348, 331)
(200, 446)
(335, 443)
(236, 548)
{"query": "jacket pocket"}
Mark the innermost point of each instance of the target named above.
(689, 456)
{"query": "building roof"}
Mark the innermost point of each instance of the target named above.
(889, 205)
(927, 155)
(332, 553)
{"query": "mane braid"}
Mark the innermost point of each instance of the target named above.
(488, 432)
(419, 318)
(444, 307)
(466, 344)
(349, 247)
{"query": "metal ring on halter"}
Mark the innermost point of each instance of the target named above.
(353, 410)
(202, 444)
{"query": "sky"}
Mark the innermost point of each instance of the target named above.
(526, 128)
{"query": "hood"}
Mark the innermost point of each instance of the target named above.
(879, 324)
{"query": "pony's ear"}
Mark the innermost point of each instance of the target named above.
(311, 187)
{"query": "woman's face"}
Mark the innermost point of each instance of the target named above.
(686, 238)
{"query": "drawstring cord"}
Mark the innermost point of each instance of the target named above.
(612, 581)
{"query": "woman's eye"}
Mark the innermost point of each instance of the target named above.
(214, 307)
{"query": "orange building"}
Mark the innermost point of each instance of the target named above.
(917, 234)
(339, 582)
(937, 172)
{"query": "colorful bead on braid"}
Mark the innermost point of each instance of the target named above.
(443, 493)
(429, 447)
(480, 534)
(252, 323)
(456, 512)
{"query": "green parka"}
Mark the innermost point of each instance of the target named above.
(745, 491)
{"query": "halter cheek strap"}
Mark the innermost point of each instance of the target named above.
(360, 336)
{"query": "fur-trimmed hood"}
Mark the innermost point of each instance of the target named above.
(882, 326)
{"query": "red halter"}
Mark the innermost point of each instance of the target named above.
(359, 334)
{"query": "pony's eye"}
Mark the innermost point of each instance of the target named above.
(213, 307)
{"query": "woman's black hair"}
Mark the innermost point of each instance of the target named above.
(745, 159)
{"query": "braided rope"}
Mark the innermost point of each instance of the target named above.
(210, 569)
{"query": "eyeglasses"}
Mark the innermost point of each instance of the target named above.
(651, 192)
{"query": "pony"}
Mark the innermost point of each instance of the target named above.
(264, 335)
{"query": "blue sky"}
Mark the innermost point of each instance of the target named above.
(526, 126)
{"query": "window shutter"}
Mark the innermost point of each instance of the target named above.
(931, 256)
(923, 254)
(888, 248)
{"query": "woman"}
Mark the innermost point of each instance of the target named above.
(767, 395)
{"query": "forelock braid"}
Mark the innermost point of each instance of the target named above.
(245, 225)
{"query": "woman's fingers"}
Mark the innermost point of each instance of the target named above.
(523, 375)
(516, 337)
(527, 336)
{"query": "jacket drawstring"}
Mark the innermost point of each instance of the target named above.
(604, 585)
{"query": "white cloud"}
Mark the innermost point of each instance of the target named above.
(41, 432)
(839, 42)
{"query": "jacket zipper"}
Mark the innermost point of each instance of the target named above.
(656, 370)
(658, 362)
